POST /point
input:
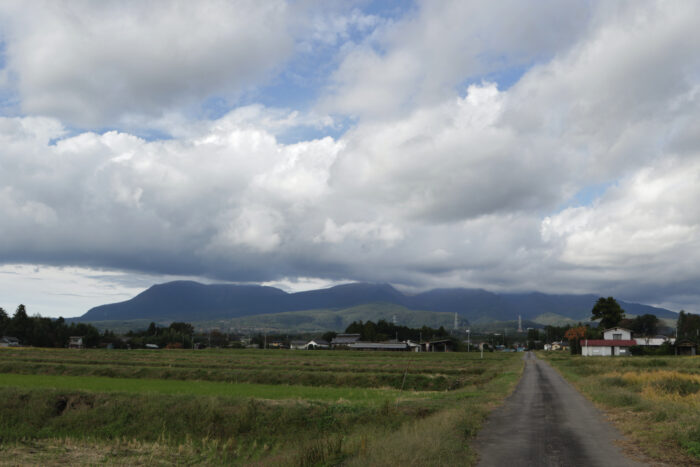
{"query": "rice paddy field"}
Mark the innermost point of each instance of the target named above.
(654, 401)
(246, 407)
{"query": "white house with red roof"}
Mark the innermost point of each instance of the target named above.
(616, 341)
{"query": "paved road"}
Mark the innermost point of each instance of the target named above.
(546, 422)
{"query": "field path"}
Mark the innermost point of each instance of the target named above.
(546, 422)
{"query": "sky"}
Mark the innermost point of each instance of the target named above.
(513, 146)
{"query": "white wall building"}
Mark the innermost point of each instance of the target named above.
(616, 341)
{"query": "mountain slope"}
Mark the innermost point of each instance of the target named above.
(192, 301)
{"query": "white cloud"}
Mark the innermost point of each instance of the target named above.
(422, 58)
(92, 64)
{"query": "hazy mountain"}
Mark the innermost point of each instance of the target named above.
(191, 301)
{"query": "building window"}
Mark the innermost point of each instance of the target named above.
(617, 337)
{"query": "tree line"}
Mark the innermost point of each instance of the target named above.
(383, 331)
(45, 332)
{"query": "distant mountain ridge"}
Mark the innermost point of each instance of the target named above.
(192, 301)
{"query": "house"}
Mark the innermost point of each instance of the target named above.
(297, 345)
(315, 344)
(8, 341)
(561, 345)
(616, 341)
(343, 340)
(686, 347)
(75, 342)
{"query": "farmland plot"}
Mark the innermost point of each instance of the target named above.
(246, 407)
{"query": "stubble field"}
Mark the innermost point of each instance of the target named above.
(247, 407)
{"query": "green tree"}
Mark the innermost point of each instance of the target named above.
(608, 311)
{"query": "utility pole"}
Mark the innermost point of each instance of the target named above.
(469, 340)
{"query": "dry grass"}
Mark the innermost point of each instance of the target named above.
(654, 401)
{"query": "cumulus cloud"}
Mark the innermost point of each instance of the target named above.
(443, 178)
(421, 59)
(91, 64)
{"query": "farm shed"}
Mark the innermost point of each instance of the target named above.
(315, 344)
(655, 341)
(343, 340)
(686, 347)
(297, 345)
(437, 345)
(393, 346)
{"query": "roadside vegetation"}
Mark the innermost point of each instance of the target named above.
(654, 400)
(296, 407)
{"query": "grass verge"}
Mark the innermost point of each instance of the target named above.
(654, 401)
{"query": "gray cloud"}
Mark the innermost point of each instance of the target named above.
(431, 186)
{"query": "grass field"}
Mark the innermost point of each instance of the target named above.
(247, 407)
(653, 400)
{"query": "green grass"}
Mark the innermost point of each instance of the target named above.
(197, 388)
(314, 408)
(428, 371)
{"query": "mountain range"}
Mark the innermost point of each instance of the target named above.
(194, 302)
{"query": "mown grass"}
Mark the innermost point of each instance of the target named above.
(85, 418)
(653, 400)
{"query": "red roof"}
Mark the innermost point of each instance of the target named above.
(608, 342)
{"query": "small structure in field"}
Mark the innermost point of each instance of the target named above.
(616, 341)
(316, 344)
(75, 342)
(437, 345)
(152, 346)
(298, 345)
(8, 341)
(686, 347)
(559, 345)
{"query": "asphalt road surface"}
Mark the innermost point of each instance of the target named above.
(546, 422)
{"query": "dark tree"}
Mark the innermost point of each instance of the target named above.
(329, 336)
(4, 321)
(688, 326)
(152, 329)
(608, 311)
(182, 328)
(20, 325)
(645, 325)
